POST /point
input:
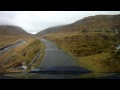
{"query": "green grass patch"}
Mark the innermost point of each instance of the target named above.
(95, 62)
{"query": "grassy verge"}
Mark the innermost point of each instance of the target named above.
(40, 58)
(100, 63)
(95, 62)
(11, 60)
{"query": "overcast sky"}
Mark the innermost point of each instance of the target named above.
(35, 21)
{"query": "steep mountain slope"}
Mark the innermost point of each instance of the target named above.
(92, 23)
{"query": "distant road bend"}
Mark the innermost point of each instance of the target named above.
(56, 60)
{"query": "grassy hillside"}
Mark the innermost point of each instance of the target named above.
(93, 23)
(11, 60)
(12, 30)
(30, 53)
(92, 41)
(11, 34)
(93, 50)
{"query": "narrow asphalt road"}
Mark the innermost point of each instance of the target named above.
(57, 60)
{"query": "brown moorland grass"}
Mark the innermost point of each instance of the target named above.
(93, 50)
(6, 40)
(23, 53)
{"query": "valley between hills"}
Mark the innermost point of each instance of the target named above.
(93, 42)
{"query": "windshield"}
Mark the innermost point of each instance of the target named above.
(60, 45)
